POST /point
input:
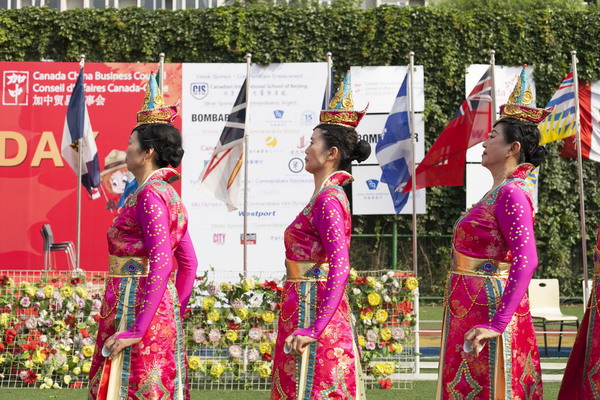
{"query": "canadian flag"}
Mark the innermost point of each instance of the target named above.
(589, 116)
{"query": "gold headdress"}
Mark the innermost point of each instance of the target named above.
(154, 109)
(340, 110)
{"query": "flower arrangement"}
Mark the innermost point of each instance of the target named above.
(48, 328)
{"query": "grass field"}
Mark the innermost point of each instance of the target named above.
(421, 391)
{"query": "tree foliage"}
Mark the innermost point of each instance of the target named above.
(445, 43)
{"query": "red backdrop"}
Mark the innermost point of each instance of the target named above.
(37, 187)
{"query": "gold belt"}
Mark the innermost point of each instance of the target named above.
(128, 266)
(462, 264)
(305, 271)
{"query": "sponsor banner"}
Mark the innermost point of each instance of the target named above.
(372, 197)
(284, 105)
(478, 178)
(38, 186)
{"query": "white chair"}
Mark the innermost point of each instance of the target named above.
(544, 300)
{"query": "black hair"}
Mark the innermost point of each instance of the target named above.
(347, 142)
(528, 135)
(165, 139)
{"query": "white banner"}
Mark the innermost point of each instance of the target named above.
(284, 105)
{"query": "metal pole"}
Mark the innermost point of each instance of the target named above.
(411, 125)
(328, 87)
(248, 58)
(394, 260)
(79, 173)
(161, 69)
(493, 84)
(586, 289)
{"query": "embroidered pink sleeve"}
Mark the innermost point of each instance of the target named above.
(330, 223)
(152, 215)
(187, 264)
(514, 214)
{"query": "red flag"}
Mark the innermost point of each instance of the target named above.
(444, 164)
(589, 118)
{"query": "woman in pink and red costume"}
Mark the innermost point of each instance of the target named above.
(493, 259)
(140, 323)
(581, 380)
(321, 360)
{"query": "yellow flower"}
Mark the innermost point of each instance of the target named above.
(11, 283)
(213, 316)
(397, 347)
(81, 292)
(2, 360)
(389, 368)
(28, 364)
(30, 290)
(4, 319)
(366, 315)
(362, 342)
(378, 369)
(86, 366)
(216, 370)
(48, 290)
(264, 347)
(226, 286)
(59, 326)
(386, 334)
(268, 316)
(231, 335)
(64, 367)
(38, 357)
(194, 362)
(242, 313)
(247, 285)
(87, 350)
(76, 370)
(67, 379)
(264, 371)
(371, 281)
(208, 303)
(353, 274)
(374, 299)
(411, 283)
(381, 315)
(66, 291)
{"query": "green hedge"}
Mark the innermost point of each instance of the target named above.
(444, 42)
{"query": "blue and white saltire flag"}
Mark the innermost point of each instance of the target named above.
(78, 131)
(394, 151)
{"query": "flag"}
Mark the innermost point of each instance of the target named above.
(589, 120)
(331, 91)
(77, 133)
(220, 176)
(562, 122)
(394, 151)
(444, 164)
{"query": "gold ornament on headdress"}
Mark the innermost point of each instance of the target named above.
(153, 109)
(519, 103)
(340, 110)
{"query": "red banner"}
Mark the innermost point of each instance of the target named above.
(37, 186)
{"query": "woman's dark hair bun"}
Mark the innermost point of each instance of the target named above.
(165, 139)
(362, 151)
(537, 155)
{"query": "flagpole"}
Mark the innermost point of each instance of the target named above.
(493, 83)
(328, 87)
(79, 173)
(411, 113)
(248, 58)
(161, 69)
(586, 289)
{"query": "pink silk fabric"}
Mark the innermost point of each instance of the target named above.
(581, 379)
(499, 227)
(320, 233)
(152, 224)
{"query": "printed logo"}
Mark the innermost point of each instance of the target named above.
(271, 141)
(15, 88)
(296, 165)
(278, 114)
(199, 90)
(372, 184)
(218, 238)
(250, 238)
(307, 118)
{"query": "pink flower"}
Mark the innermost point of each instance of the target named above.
(199, 335)
(398, 333)
(255, 334)
(25, 302)
(370, 346)
(235, 351)
(236, 304)
(252, 355)
(214, 335)
(30, 323)
(96, 304)
(372, 335)
(213, 289)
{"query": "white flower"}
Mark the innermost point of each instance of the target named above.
(356, 291)
(384, 278)
(43, 338)
(395, 283)
(378, 285)
(237, 320)
(390, 273)
(252, 355)
(387, 299)
(67, 379)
